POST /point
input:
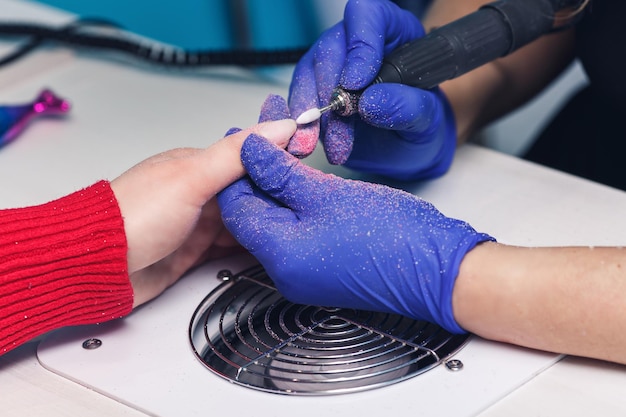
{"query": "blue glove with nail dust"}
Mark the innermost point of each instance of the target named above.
(334, 242)
(401, 132)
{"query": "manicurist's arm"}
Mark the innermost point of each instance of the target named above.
(496, 88)
(568, 300)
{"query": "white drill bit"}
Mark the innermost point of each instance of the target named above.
(309, 116)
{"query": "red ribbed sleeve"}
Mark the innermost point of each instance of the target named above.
(62, 263)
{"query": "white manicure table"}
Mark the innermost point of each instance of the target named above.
(123, 112)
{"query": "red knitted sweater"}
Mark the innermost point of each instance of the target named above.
(62, 263)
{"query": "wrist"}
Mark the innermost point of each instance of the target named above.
(485, 273)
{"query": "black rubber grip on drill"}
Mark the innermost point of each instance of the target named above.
(495, 30)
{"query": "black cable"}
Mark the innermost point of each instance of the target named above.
(37, 41)
(20, 51)
(74, 34)
(77, 34)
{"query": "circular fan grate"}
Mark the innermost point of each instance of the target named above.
(246, 332)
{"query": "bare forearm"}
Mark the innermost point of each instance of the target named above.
(496, 88)
(566, 300)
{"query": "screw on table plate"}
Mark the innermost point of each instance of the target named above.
(224, 275)
(91, 344)
(454, 365)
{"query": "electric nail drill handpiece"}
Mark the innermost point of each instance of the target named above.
(493, 31)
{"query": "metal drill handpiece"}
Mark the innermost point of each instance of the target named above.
(343, 102)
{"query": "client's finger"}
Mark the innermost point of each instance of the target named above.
(221, 162)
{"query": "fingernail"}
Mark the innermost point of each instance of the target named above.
(278, 132)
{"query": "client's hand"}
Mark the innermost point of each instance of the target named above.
(329, 241)
(171, 219)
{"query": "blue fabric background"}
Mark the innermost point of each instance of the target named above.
(198, 24)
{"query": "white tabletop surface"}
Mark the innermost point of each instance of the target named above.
(123, 113)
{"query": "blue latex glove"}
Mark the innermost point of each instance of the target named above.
(401, 132)
(329, 241)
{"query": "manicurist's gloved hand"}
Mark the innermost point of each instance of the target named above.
(401, 132)
(333, 242)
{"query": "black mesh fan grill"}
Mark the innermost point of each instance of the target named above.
(246, 332)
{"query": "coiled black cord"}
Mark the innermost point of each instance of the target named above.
(77, 34)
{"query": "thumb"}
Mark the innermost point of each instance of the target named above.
(393, 106)
(373, 29)
(280, 174)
